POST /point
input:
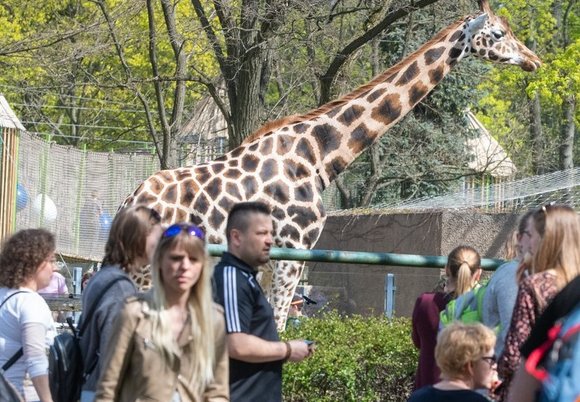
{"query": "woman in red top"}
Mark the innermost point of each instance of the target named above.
(463, 271)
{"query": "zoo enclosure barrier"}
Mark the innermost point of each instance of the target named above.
(73, 303)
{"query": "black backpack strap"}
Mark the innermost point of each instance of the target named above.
(20, 351)
(90, 312)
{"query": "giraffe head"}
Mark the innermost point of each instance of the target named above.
(491, 38)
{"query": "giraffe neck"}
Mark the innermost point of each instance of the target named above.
(347, 129)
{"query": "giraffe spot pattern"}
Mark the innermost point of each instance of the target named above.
(171, 193)
(304, 193)
(332, 113)
(302, 216)
(290, 232)
(156, 185)
(278, 213)
(410, 73)
(311, 237)
(201, 204)
(360, 138)
(269, 169)
(226, 203)
(266, 146)
(295, 171)
(216, 218)
(238, 151)
(233, 191)
(278, 191)
(145, 198)
(250, 186)
(335, 167)
(166, 176)
(233, 163)
(253, 147)
(388, 110)
(232, 174)
(327, 137)
(417, 92)
(182, 174)
(214, 188)
(456, 35)
(217, 167)
(436, 75)
(300, 128)
(250, 163)
(376, 94)
(454, 53)
(432, 55)
(304, 150)
(284, 144)
(203, 174)
(351, 114)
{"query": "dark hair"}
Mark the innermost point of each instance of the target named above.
(239, 216)
(128, 236)
(22, 254)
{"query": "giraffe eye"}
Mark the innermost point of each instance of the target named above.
(498, 34)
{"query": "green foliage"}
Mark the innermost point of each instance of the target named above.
(357, 359)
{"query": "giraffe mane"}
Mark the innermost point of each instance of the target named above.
(271, 126)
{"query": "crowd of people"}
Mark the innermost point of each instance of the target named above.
(521, 302)
(206, 333)
(197, 335)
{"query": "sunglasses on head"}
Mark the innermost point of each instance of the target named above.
(188, 228)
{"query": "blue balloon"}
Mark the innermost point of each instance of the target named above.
(105, 221)
(21, 197)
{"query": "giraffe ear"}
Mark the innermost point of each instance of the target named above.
(477, 23)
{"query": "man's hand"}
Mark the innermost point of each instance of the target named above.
(300, 350)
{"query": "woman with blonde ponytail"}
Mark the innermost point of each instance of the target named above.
(463, 271)
(170, 342)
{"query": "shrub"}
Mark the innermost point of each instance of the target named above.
(357, 359)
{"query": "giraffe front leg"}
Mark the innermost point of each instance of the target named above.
(285, 280)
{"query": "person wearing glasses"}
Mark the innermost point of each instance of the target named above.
(256, 353)
(500, 296)
(464, 354)
(555, 263)
(170, 342)
(132, 239)
(26, 264)
(463, 270)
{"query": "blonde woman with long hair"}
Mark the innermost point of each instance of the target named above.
(170, 342)
(556, 262)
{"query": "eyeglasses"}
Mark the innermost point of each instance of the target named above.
(491, 360)
(177, 228)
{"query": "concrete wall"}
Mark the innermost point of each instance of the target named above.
(360, 288)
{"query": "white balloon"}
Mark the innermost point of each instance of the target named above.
(49, 207)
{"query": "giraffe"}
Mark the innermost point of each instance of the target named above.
(289, 162)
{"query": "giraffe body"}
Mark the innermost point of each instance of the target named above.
(288, 163)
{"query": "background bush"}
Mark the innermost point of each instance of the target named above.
(357, 359)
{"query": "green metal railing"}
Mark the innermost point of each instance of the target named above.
(359, 257)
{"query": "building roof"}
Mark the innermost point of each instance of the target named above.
(489, 155)
(8, 118)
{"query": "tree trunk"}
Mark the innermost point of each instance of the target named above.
(568, 134)
(537, 135)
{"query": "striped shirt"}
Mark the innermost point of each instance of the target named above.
(247, 311)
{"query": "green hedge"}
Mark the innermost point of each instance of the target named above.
(357, 359)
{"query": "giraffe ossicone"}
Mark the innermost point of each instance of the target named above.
(288, 163)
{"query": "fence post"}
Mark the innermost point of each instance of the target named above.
(389, 295)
